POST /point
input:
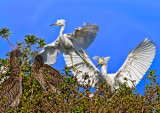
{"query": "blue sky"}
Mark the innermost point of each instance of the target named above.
(123, 25)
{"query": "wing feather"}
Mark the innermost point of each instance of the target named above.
(52, 79)
(91, 70)
(137, 63)
(49, 53)
(85, 36)
(11, 89)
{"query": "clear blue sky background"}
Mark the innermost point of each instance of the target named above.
(123, 25)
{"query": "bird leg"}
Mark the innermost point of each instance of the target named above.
(82, 57)
(74, 68)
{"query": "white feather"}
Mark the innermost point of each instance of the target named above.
(134, 67)
(67, 43)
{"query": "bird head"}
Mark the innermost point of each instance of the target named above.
(101, 60)
(16, 53)
(39, 58)
(60, 22)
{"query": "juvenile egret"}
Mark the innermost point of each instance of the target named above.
(68, 43)
(133, 69)
(12, 87)
(46, 76)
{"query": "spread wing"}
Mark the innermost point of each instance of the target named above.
(85, 36)
(84, 71)
(137, 63)
(49, 53)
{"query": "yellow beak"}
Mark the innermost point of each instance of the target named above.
(99, 63)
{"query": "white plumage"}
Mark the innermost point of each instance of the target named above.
(133, 69)
(94, 74)
(65, 43)
(2, 71)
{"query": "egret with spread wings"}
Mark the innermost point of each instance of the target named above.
(68, 43)
(133, 69)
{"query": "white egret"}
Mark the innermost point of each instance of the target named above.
(133, 69)
(67, 43)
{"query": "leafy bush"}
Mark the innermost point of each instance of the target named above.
(34, 99)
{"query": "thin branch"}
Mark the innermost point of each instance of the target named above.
(9, 41)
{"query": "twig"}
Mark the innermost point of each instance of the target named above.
(9, 41)
(112, 96)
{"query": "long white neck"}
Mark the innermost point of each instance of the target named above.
(62, 29)
(104, 71)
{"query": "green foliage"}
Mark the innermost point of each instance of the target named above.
(4, 32)
(31, 39)
(35, 100)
